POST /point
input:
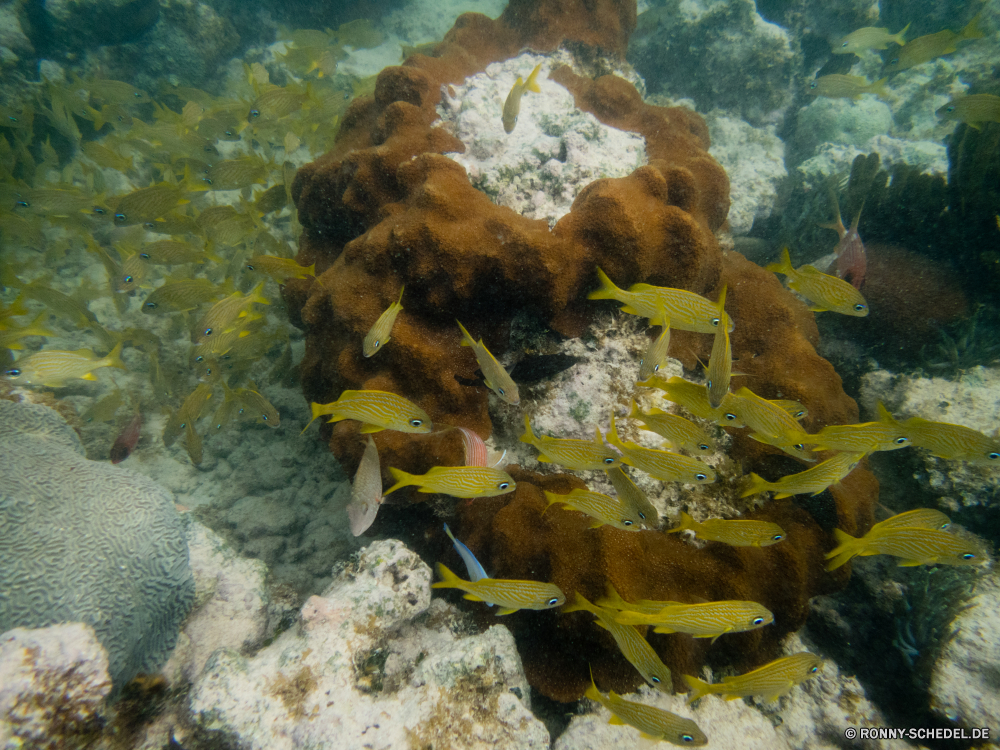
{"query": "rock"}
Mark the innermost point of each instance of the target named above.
(83, 541)
(841, 121)
(53, 683)
(371, 662)
(90, 23)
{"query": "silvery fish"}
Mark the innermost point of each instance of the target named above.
(662, 465)
(812, 481)
(472, 565)
(652, 722)
(868, 38)
(656, 352)
(376, 410)
(768, 683)
(581, 455)
(366, 491)
(494, 375)
(826, 292)
(738, 533)
(953, 441)
(509, 595)
(457, 481)
(632, 497)
(605, 510)
(720, 364)
(914, 545)
(512, 106)
(379, 334)
(54, 368)
(707, 620)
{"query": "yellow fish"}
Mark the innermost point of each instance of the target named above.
(512, 107)
(189, 413)
(921, 518)
(509, 595)
(926, 48)
(106, 157)
(687, 311)
(826, 292)
(146, 204)
(222, 314)
(720, 363)
(178, 296)
(276, 102)
(738, 533)
(868, 38)
(694, 398)
(633, 646)
(632, 497)
(105, 409)
(193, 443)
(706, 620)
(376, 410)
(457, 481)
(605, 510)
(656, 352)
(255, 405)
(769, 682)
(915, 545)
(279, 269)
(613, 600)
(653, 723)
(972, 109)
(838, 86)
(662, 465)
(953, 441)
(885, 435)
(581, 455)
(495, 377)
(54, 368)
(366, 491)
(381, 329)
(813, 480)
(766, 419)
(11, 337)
(169, 252)
(131, 274)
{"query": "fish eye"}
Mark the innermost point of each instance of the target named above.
(799, 446)
(553, 601)
(687, 738)
(127, 279)
(183, 425)
(656, 368)
(500, 391)
(416, 422)
(859, 307)
(968, 556)
(149, 225)
(151, 305)
(249, 267)
(144, 256)
(701, 477)
(894, 61)
(708, 384)
(207, 179)
(758, 621)
(241, 410)
(844, 45)
(137, 95)
(715, 322)
(99, 211)
(503, 485)
(703, 447)
(12, 372)
(730, 417)
(777, 537)
(642, 515)
(120, 218)
(902, 440)
(949, 108)
(207, 332)
(376, 344)
(799, 414)
(609, 460)
(626, 522)
(199, 358)
(812, 85)
(264, 417)
(993, 456)
(642, 362)
(655, 679)
(254, 113)
(22, 204)
(814, 670)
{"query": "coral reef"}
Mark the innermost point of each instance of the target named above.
(61, 560)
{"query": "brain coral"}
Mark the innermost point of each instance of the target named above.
(82, 541)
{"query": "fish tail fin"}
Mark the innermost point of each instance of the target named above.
(402, 480)
(847, 547)
(448, 579)
(528, 436)
(972, 30)
(721, 304)
(467, 339)
(900, 38)
(97, 116)
(257, 294)
(699, 688)
(634, 412)
(580, 603)
(592, 692)
(756, 484)
(687, 524)
(114, 358)
(398, 302)
(612, 435)
(783, 266)
(608, 289)
(532, 83)
(878, 88)
(551, 498)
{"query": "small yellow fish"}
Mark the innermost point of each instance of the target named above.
(189, 413)
(633, 646)
(662, 465)
(178, 296)
(813, 480)
(113, 92)
(706, 620)
(605, 510)
(279, 269)
(738, 533)
(838, 86)
(953, 441)
(653, 723)
(676, 430)
(276, 102)
(376, 410)
(381, 329)
(885, 435)
(769, 682)
(222, 314)
(146, 204)
(694, 398)
(766, 419)
(687, 311)
(366, 491)
(632, 497)
(915, 545)
(972, 109)
(54, 368)
(55, 201)
(825, 291)
(512, 107)
(868, 38)
(275, 197)
(106, 157)
(457, 481)
(105, 409)
(926, 48)
(580, 455)
(131, 274)
(720, 364)
(255, 405)
(656, 352)
(494, 375)
(919, 518)
(510, 595)
(170, 252)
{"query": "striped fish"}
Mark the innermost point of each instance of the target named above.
(720, 363)
(656, 352)
(652, 722)
(885, 435)
(826, 292)
(509, 595)
(376, 410)
(694, 398)
(767, 419)
(613, 600)
(633, 646)
(707, 620)
(796, 409)
(581, 455)
(769, 682)
(678, 431)
(798, 450)
(366, 491)
(687, 311)
(738, 533)
(476, 453)
(920, 518)
(495, 377)
(953, 441)
(632, 497)
(222, 314)
(457, 481)
(813, 480)
(662, 465)
(189, 412)
(916, 546)
(380, 330)
(54, 368)
(605, 510)
(179, 296)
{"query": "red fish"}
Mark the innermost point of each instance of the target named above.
(127, 440)
(851, 259)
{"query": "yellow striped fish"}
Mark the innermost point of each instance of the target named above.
(738, 533)
(813, 480)
(380, 330)
(694, 398)
(885, 435)
(652, 722)
(633, 646)
(767, 419)
(826, 292)
(146, 204)
(632, 497)
(222, 314)
(920, 518)
(179, 296)
(720, 363)
(798, 450)
(509, 595)
(916, 546)
(54, 368)
(687, 311)
(656, 352)
(256, 406)
(676, 430)
(953, 441)
(279, 269)
(189, 413)
(662, 465)
(495, 377)
(769, 682)
(581, 455)
(707, 620)
(366, 491)
(605, 510)
(457, 481)
(376, 410)
(613, 600)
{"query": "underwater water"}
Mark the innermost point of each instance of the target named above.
(690, 381)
